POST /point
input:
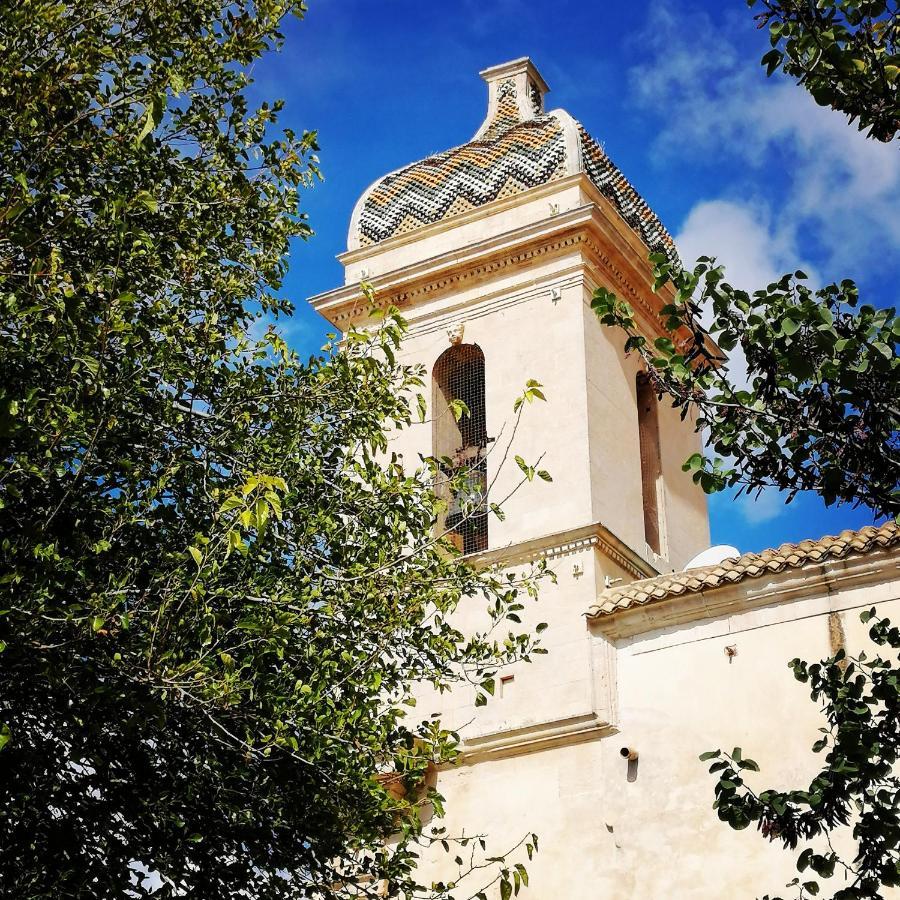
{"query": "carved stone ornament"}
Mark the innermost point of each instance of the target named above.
(455, 332)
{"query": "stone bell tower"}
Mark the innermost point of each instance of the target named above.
(492, 251)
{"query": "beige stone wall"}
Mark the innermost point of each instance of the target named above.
(615, 454)
(656, 836)
(535, 322)
(529, 337)
(544, 755)
(556, 696)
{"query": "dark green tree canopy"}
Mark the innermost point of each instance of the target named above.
(846, 53)
(217, 586)
(818, 410)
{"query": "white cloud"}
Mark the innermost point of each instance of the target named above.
(748, 509)
(809, 178)
(741, 237)
(766, 506)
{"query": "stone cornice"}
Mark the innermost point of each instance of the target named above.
(610, 251)
(434, 275)
(531, 738)
(563, 543)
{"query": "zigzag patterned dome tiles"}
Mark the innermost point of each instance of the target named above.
(511, 154)
(512, 157)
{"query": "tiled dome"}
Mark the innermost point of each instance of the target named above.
(518, 147)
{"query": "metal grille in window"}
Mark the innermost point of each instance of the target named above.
(460, 443)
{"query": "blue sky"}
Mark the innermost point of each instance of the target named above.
(736, 165)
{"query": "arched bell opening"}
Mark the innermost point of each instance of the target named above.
(459, 442)
(651, 465)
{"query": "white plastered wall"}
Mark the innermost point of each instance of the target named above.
(604, 835)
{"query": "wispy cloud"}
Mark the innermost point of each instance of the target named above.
(762, 507)
(811, 178)
(743, 236)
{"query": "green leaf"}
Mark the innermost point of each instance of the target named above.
(147, 200)
(528, 470)
(458, 409)
(146, 128)
(693, 463)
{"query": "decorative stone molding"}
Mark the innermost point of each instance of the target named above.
(566, 543)
(608, 252)
(539, 736)
(454, 280)
(602, 259)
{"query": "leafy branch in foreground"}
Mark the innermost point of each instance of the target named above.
(846, 53)
(218, 589)
(817, 410)
(857, 788)
(821, 405)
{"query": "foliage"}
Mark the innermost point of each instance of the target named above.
(217, 585)
(821, 408)
(819, 412)
(846, 53)
(858, 784)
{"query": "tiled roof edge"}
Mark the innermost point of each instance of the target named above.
(751, 565)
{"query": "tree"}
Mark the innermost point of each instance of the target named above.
(819, 411)
(821, 405)
(217, 586)
(846, 53)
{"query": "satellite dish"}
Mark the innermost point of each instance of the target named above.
(712, 556)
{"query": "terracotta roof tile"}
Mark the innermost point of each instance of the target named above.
(750, 565)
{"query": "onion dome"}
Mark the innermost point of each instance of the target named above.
(517, 147)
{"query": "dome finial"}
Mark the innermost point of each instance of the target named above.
(515, 89)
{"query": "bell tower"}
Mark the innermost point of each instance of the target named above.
(492, 250)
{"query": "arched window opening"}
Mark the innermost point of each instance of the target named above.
(460, 443)
(651, 467)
